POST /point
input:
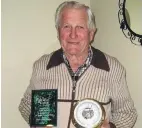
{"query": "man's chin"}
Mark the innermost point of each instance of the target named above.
(74, 53)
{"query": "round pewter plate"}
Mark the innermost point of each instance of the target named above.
(88, 113)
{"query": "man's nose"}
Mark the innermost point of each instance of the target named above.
(73, 33)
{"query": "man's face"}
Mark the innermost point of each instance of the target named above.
(74, 34)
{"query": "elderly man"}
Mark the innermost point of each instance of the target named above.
(78, 71)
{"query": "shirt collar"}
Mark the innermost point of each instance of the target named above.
(98, 60)
(87, 61)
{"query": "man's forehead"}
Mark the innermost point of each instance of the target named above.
(71, 11)
(74, 14)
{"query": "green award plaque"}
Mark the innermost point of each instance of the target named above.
(44, 108)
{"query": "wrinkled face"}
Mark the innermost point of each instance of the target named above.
(74, 34)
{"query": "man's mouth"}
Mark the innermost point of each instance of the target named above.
(73, 43)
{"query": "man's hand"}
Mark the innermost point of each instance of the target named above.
(105, 124)
(49, 126)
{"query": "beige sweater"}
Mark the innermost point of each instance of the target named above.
(104, 80)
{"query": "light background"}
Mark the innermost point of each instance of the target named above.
(28, 32)
(134, 8)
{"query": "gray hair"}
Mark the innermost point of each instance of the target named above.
(74, 4)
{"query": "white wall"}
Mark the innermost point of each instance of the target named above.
(111, 40)
(27, 33)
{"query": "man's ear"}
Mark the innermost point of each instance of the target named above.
(58, 34)
(92, 34)
(57, 30)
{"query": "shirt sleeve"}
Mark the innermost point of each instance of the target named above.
(25, 104)
(124, 114)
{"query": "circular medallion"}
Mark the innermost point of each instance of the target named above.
(88, 113)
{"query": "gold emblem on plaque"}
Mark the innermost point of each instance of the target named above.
(88, 113)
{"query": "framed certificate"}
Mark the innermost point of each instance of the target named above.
(44, 108)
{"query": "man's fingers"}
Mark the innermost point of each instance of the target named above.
(105, 124)
(49, 126)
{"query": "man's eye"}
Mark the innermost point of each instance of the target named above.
(66, 26)
(80, 27)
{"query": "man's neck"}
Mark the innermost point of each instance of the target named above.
(76, 61)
